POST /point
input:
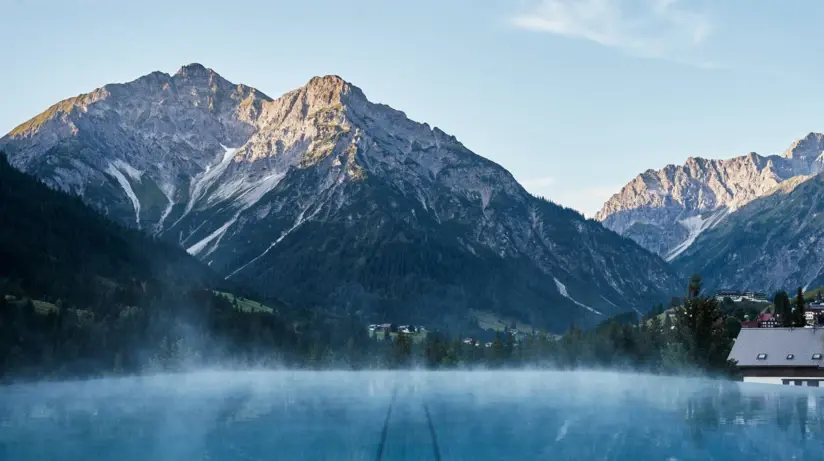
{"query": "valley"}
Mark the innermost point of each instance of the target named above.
(293, 223)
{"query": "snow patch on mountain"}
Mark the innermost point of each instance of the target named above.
(169, 192)
(127, 188)
(297, 224)
(129, 170)
(246, 192)
(562, 289)
(619, 307)
(246, 196)
(695, 225)
(211, 175)
(198, 247)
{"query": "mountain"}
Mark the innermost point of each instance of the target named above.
(775, 242)
(666, 210)
(326, 199)
(54, 247)
(131, 149)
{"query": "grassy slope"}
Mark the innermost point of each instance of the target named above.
(490, 321)
(247, 305)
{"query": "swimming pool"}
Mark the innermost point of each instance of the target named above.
(479, 415)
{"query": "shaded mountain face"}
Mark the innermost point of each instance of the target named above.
(667, 210)
(775, 242)
(53, 246)
(82, 296)
(327, 199)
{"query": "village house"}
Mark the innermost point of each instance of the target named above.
(383, 328)
(813, 313)
(749, 324)
(738, 296)
(756, 296)
(767, 321)
(732, 294)
(789, 356)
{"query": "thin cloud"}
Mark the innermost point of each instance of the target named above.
(648, 28)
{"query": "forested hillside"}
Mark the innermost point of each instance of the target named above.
(53, 247)
(80, 296)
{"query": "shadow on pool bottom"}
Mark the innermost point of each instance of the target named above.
(505, 415)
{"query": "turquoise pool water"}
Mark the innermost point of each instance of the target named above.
(281, 415)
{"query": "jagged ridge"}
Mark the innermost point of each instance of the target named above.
(666, 210)
(328, 199)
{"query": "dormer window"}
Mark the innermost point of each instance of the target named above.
(816, 356)
(762, 357)
(790, 356)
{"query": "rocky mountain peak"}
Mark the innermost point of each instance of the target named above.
(194, 70)
(809, 147)
(202, 78)
(331, 91)
(330, 79)
(666, 210)
(266, 191)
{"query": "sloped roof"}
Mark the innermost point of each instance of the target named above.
(777, 343)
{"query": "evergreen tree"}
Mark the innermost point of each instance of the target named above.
(498, 354)
(695, 285)
(509, 346)
(699, 331)
(732, 326)
(799, 319)
(402, 350)
(452, 357)
(435, 350)
(783, 309)
(667, 324)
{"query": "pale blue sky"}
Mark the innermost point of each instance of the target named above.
(574, 97)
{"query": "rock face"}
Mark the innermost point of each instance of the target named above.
(327, 199)
(774, 242)
(131, 149)
(665, 211)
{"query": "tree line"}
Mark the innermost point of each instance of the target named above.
(177, 331)
(695, 341)
(787, 314)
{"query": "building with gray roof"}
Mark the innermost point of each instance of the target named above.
(792, 356)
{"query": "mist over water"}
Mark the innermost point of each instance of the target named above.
(415, 415)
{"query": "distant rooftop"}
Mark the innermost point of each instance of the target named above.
(771, 347)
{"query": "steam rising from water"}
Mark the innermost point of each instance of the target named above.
(306, 415)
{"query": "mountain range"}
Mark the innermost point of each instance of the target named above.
(749, 222)
(325, 199)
